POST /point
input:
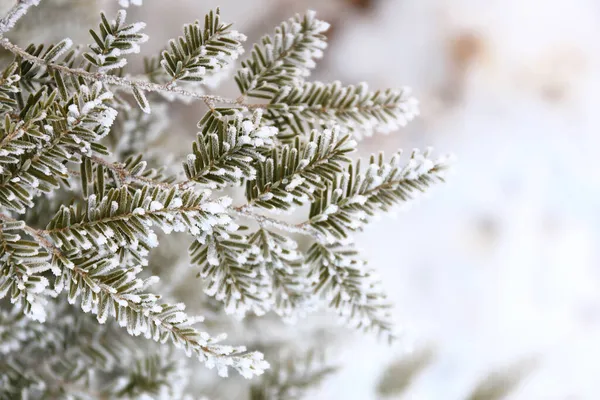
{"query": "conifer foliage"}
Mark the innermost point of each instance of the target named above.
(83, 203)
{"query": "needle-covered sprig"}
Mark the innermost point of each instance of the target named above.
(89, 190)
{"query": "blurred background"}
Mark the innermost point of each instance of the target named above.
(496, 275)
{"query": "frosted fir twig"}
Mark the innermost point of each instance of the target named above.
(116, 80)
(18, 10)
(246, 210)
(182, 334)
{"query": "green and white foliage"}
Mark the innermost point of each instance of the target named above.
(8, 86)
(256, 273)
(226, 148)
(22, 270)
(125, 218)
(349, 287)
(109, 288)
(300, 108)
(49, 133)
(87, 189)
(76, 358)
(227, 261)
(114, 40)
(280, 259)
(283, 59)
(294, 172)
(202, 52)
(356, 196)
(34, 76)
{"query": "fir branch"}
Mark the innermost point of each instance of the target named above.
(123, 218)
(201, 52)
(115, 39)
(228, 261)
(113, 79)
(21, 272)
(350, 288)
(226, 148)
(119, 293)
(284, 265)
(300, 108)
(59, 129)
(292, 173)
(125, 176)
(347, 204)
(283, 59)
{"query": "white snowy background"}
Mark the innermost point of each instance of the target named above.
(501, 265)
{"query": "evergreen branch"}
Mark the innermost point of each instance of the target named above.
(21, 136)
(347, 204)
(124, 218)
(21, 271)
(300, 108)
(58, 130)
(283, 59)
(115, 39)
(228, 261)
(35, 77)
(200, 53)
(284, 265)
(294, 172)
(126, 176)
(119, 293)
(349, 287)
(113, 79)
(226, 148)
